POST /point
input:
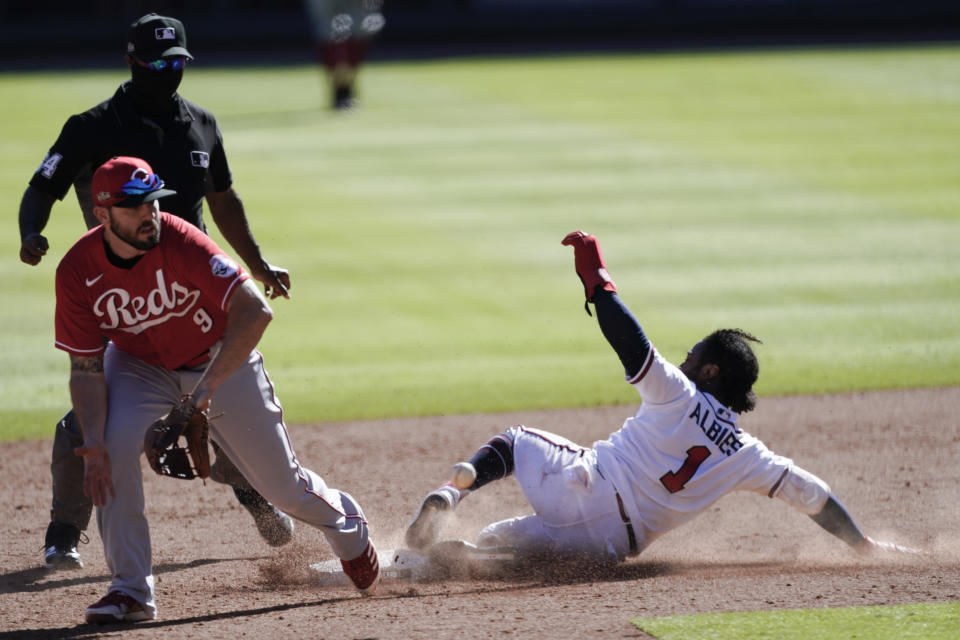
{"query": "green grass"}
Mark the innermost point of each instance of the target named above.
(808, 196)
(903, 622)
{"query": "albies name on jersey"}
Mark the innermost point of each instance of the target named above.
(720, 432)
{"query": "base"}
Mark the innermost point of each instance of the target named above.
(446, 559)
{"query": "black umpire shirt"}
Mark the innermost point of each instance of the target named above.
(185, 150)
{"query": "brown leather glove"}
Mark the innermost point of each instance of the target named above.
(161, 442)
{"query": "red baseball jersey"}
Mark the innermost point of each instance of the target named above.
(168, 309)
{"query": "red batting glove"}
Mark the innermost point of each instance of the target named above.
(589, 263)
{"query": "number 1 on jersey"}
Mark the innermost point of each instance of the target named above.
(676, 480)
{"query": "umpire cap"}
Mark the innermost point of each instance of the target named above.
(154, 36)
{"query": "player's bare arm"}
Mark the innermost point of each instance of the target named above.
(248, 315)
(835, 519)
(228, 213)
(88, 390)
(34, 213)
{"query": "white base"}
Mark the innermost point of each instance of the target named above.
(445, 559)
(398, 564)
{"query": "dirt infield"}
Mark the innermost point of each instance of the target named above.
(891, 457)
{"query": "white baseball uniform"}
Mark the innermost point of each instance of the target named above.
(679, 454)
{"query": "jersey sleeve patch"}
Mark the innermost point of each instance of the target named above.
(49, 165)
(223, 267)
(200, 159)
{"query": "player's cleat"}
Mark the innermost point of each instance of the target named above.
(60, 547)
(364, 570)
(115, 607)
(424, 529)
(343, 99)
(275, 527)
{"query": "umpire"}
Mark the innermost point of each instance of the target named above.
(147, 118)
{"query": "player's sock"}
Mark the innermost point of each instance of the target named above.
(493, 461)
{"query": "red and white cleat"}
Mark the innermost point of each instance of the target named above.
(116, 607)
(364, 570)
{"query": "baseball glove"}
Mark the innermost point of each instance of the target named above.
(161, 442)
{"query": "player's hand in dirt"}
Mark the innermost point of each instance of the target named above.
(33, 248)
(97, 481)
(880, 548)
(275, 280)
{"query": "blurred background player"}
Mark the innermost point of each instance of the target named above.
(342, 31)
(147, 118)
(680, 453)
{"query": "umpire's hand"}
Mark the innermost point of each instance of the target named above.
(275, 280)
(33, 248)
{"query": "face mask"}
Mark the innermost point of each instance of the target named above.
(156, 85)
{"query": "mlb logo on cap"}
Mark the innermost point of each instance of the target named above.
(153, 37)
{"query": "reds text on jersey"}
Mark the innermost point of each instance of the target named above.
(168, 309)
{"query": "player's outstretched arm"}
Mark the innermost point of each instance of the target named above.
(622, 331)
(809, 494)
(617, 323)
(835, 519)
(34, 213)
(228, 213)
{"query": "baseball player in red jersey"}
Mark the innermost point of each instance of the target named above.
(182, 318)
(679, 454)
(146, 118)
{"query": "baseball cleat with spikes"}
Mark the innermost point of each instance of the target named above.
(424, 529)
(364, 570)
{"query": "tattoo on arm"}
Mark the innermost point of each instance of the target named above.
(92, 364)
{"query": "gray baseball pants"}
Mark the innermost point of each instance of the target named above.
(247, 424)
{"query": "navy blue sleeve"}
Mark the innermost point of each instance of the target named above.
(622, 331)
(68, 156)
